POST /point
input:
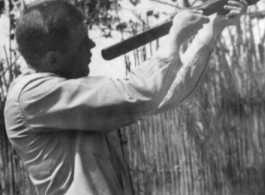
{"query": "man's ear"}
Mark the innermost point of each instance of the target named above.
(52, 60)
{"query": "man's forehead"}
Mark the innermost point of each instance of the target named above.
(79, 28)
(79, 33)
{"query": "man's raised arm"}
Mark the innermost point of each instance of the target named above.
(197, 55)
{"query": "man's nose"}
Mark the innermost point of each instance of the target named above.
(91, 44)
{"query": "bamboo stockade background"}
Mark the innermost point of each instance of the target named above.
(212, 144)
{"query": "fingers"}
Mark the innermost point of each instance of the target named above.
(240, 3)
(192, 16)
(197, 16)
(195, 11)
(236, 4)
(236, 8)
(233, 13)
(205, 19)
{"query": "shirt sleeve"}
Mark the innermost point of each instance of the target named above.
(101, 103)
(96, 103)
(195, 60)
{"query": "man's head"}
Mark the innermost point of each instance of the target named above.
(52, 37)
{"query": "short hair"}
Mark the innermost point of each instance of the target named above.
(45, 26)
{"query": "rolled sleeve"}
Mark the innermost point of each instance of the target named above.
(195, 60)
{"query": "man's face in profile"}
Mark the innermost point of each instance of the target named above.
(78, 56)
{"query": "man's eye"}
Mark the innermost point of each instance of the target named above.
(82, 46)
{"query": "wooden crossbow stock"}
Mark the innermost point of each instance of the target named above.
(154, 33)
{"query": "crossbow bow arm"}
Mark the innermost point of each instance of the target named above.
(154, 33)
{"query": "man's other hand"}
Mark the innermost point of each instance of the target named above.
(234, 10)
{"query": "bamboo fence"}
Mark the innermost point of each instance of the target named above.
(213, 144)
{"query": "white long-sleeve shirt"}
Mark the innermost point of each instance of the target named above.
(59, 126)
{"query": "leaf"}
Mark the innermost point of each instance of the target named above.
(2, 6)
(12, 36)
(121, 26)
(149, 13)
(135, 2)
(11, 5)
(156, 15)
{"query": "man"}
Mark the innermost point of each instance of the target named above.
(58, 119)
